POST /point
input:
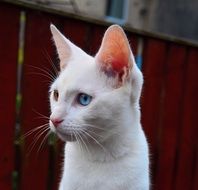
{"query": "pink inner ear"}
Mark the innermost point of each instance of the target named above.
(114, 54)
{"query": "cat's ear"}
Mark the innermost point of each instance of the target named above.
(114, 57)
(63, 46)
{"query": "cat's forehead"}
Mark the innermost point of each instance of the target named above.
(81, 74)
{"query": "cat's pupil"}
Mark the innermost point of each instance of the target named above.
(56, 95)
(84, 99)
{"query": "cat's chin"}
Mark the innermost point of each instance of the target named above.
(66, 137)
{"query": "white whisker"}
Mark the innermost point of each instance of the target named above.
(41, 74)
(77, 140)
(42, 142)
(36, 139)
(84, 143)
(44, 116)
(45, 71)
(94, 140)
(93, 126)
(51, 62)
(94, 133)
(33, 131)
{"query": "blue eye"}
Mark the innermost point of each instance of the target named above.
(84, 99)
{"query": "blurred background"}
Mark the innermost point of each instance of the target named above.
(173, 17)
(164, 39)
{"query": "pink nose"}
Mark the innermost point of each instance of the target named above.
(56, 121)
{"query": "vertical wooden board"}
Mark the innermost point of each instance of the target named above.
(154, 58)
(9, 21)
(195, 173)
(58, 163)
(133, 40)
(96, 35)
(136, 48)
(35, 86)
(171, 112)
(189, 131)
(77, 31)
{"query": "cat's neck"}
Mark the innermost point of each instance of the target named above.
(114, 148)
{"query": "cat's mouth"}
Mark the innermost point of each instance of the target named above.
(66, 135)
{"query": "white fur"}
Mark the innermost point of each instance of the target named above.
(115, 155)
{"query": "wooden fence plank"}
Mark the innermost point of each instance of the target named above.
(133, 40)
(195, 173)
(95, 35)
(154, 57)
(77, 32)
(9, 21)
(35, 97)
(189, 130)
(170, 124)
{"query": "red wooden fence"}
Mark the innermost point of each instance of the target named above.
(169, 101)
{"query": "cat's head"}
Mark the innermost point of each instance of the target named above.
(94, 97)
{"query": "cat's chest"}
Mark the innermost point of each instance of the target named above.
(96, 176)
(93, 182)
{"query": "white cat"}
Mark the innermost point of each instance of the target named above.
(95, 109)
